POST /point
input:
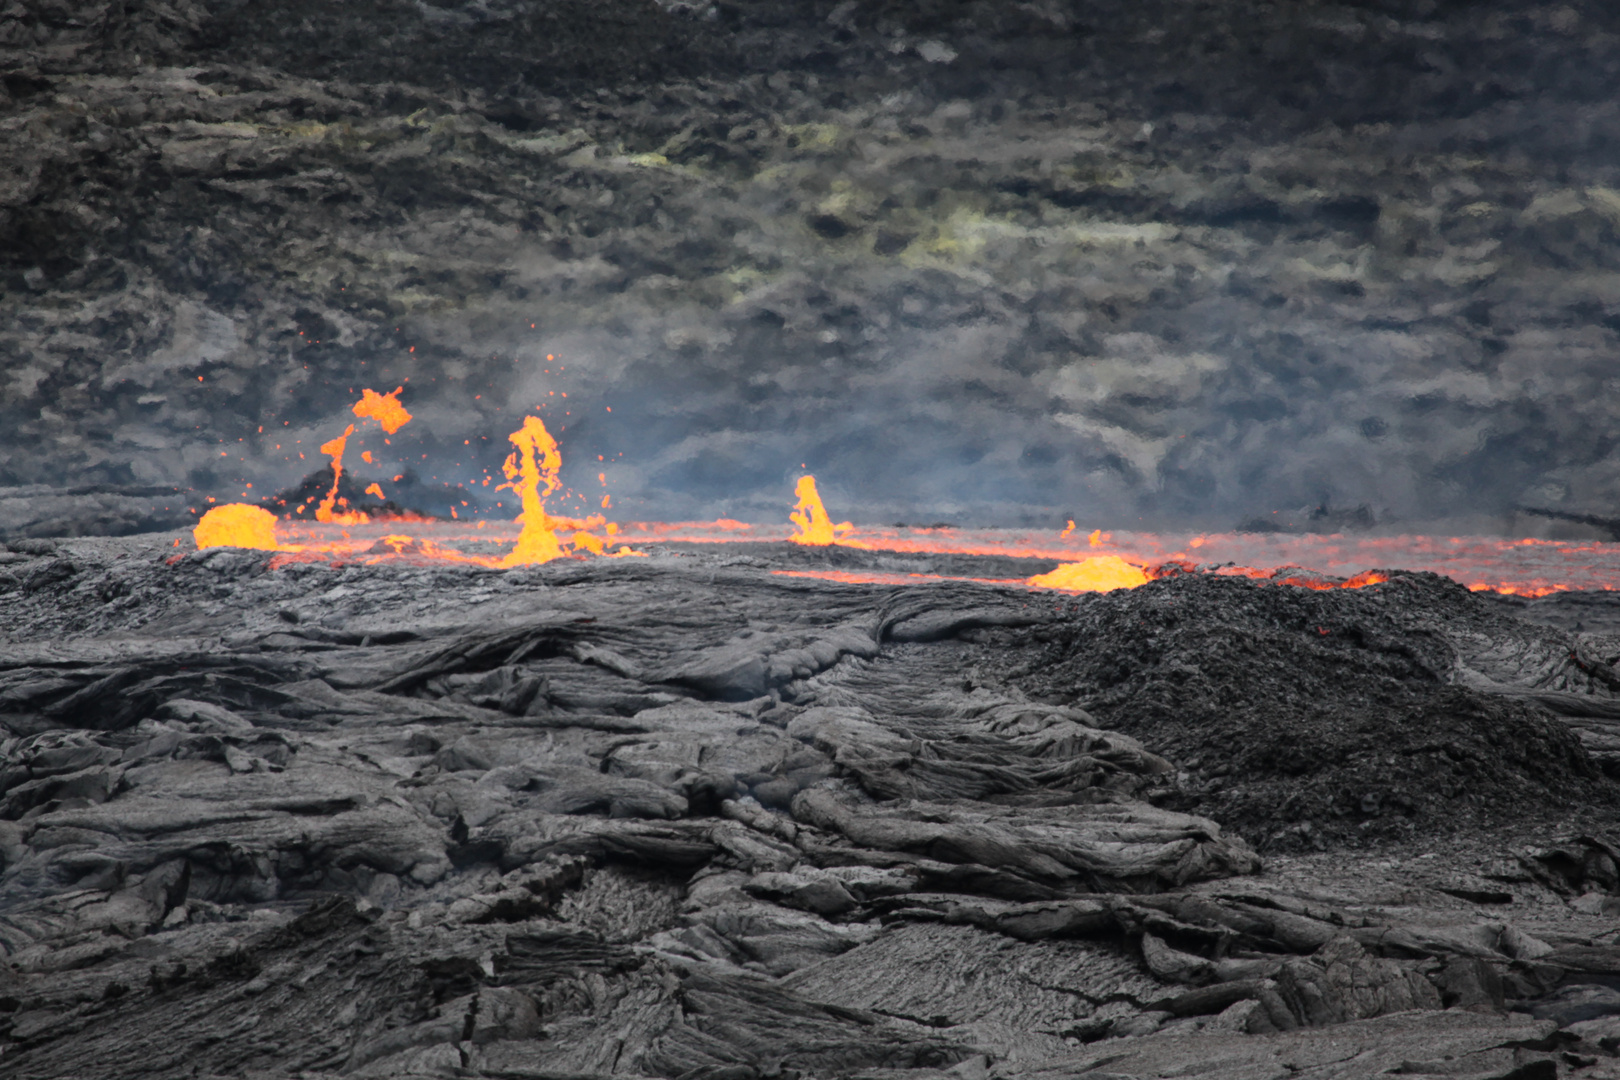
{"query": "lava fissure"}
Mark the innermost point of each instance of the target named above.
(1108, 561)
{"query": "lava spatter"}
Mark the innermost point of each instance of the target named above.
(809, 517)
(532, 474)
(1100, 573)
(383, 408)
(1095, 562)
(324, 512)
(391, 416)
(237, 525)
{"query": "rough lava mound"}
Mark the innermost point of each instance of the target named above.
(1348, 714)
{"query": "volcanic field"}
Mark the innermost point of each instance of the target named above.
(425, 650)
(687, 815)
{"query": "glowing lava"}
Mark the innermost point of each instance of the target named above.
(383, 408)
(532, 473)
(815, 527)
(1100, 573)
(809, 516)
(323, 512)
(535, 463)
(237, 525)
(1095, 562)
(391, 415)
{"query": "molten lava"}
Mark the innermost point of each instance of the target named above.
(534, 463)
(1095, 562)
(809, 516)
(1100, 573)
(383, 408)
(237, 525)
(391, 416)
(323, 512)
(532, 472)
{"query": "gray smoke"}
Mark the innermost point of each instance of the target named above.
(1121, 263)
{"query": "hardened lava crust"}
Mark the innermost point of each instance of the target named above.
(683, 815)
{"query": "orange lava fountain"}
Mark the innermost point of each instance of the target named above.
(391, 415)
(1095, 562)
(809, 516)
(534, 463)
(532, 471)
(323, 512)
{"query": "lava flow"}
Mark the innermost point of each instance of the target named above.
(532, 472)
(1095, 562)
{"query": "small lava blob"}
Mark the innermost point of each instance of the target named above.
(237, 525)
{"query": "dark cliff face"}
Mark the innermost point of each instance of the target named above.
(984, 262)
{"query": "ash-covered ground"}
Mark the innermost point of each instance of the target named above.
(683, 816)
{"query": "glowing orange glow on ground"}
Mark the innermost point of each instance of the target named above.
(1100, 573)
(1481, 563)
(882, 577)
(237, 525)
(1312, 581)
(1529, 592)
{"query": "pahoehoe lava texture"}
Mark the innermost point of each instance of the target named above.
(683, 817)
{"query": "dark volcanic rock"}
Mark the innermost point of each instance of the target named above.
(1305, 717)
(299, 502)
(682, 816)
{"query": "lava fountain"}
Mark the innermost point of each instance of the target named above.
(532, 471)
(1095, 562)
(815, 527)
